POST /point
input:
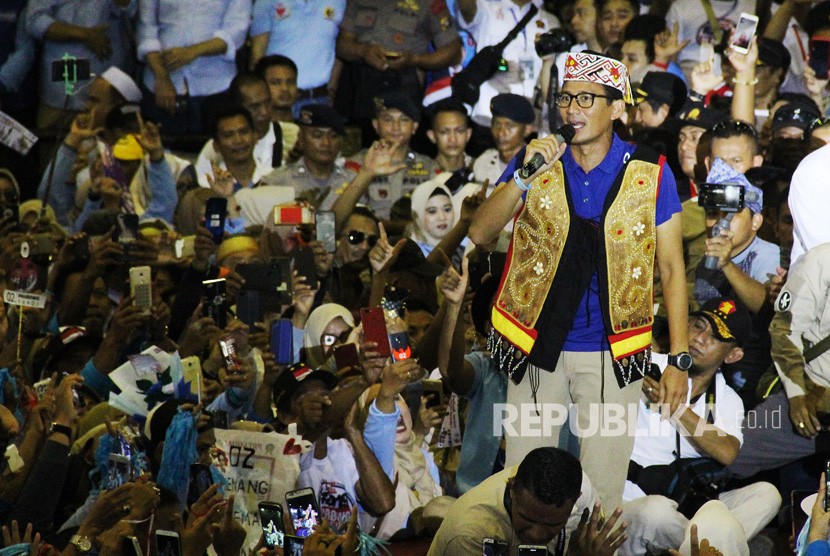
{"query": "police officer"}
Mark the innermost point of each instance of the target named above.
(513, 118)
(316, 177)
(388, 44)
(396, 121)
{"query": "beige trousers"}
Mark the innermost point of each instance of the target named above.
(583, 392)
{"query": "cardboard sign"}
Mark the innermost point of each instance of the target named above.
(24, 299)
(15, 135)
(259, 467)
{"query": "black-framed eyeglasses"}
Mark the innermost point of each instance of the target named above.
(584, 100)
(734, 126)
(356, 238)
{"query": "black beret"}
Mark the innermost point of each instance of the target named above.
(321, 115)
(773, 53)
(818, 18)
(514, 107)
(389, 101)
(663, 87)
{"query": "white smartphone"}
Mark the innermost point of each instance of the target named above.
(742, 38)
(140, 287)
(168, 543)
(192, 371)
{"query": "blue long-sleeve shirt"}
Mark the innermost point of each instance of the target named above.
(62, 194)
(82, 13)
(379, 434)
(165, 24)
(17, 57)
(818, 548)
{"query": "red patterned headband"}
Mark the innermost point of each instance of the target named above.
(581, 66)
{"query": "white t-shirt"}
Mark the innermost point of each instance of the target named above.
(493, 21)
(810, 202)
(656, 442)
(333, 479)
(263, 154)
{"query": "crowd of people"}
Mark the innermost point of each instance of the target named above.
(508, 275)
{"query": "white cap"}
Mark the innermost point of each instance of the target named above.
(123, 83)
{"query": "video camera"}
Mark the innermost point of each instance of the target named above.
(726, 197)
(554, 41)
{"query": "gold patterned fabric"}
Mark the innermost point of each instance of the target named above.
(540, 234)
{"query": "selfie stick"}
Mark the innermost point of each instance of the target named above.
(69, 82)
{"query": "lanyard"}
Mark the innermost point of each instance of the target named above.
(524, 29)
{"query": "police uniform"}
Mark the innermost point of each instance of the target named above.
(493, 21)
(320, 193)
(396, 26)
(384, 191)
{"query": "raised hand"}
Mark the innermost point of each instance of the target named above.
(378, 160)
(666, 45)
(593, 538)
(222, 181)
(150, 139)
(470, 204)
(383, 255)
(454, 285)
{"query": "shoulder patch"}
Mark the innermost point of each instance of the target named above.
(784, 301)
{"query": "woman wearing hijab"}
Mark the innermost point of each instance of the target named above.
(433, 215)
(328, 326)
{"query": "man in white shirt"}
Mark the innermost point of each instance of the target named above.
(251, 92)
(709, 426)
(489, 22)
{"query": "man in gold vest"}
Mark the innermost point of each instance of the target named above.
(572, 319)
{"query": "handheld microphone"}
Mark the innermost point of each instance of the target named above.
(564, 135)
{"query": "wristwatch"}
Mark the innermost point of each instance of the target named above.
(60, 429)
(81, 542)
(682, 360)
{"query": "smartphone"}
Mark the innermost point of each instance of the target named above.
(71, 70)
(654, 372)
(140, 287)
(827, 486)
(270, 518)
(305, 266)
(494, 547)
(742, 37)
(532, 550)
(126, 230)
(216, 211)
(228, 347)
(133, 546)
(294, 546)
(40, 245)
(374, 329)
(400, 346)
(214, 302)
(119, 471)
(249, 306)
(282, 341)
(326, 230)
(433, 392)
(184, 247)
(80, 249)
(271, 279)
(293, 215)
(219, 419)
(819, 57)
(346, 356)
(168, 543)
(200, 481)
(305, 513)
(192, 373)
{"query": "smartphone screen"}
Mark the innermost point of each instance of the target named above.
(282, 341)
(532, 550)
(744, 32)
(294, 545)
(494, 547)
(400, 346)
(249, 306)
(216, 210)
(127, 228)
(167, 543)
(270, 518)
(819, 57)
(374, 329)
(326, 230)
(200, 481)
(304, 511)
(118, 471)
(305, 266)
(214, 304)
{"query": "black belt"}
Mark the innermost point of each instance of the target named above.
(316, 92)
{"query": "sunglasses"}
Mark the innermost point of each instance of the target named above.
(356, 238)
(735, 126)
